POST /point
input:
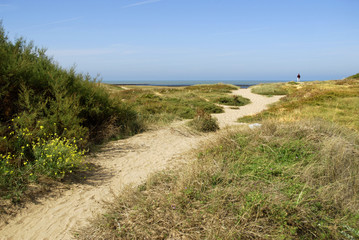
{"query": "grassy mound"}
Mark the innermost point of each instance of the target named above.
(271, 89)
(233, 101)
(295, 177)
(335, 101)
(281, 181)
(40, 103)
(164, 104)
(356, 76)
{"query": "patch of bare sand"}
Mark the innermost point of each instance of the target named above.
(119, 163)
(258, 104)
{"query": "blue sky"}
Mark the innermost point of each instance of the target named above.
(193, 39)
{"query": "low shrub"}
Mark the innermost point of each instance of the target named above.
(235, 100)
(356, 76)
(204, 122)
(51, 156)
(57, 157)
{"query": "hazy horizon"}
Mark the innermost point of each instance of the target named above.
(148, 40)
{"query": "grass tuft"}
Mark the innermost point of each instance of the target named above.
(204, 122)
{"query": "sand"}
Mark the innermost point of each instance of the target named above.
(119, 163)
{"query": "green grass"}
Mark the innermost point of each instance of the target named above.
(233, 101)
(356, 76)
(204, 122)
(335, 101)
(271, 89)
(161, 105)
(295, 177)
(282, 181)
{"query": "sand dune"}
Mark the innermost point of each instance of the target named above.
(119, 163)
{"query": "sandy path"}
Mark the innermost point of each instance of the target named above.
(259, 103)
(121, 162)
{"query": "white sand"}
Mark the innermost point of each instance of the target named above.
(121, 162)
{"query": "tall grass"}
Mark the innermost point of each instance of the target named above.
(39, 100)
(282, 181)
(295, 177)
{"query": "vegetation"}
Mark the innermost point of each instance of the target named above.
(280, 181)
(235, 100)
(158, 105)
(204, 122)
(295, 177)
(335, 101)
(356, 76)
(48, 115)
(271, 89)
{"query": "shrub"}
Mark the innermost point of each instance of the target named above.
(235, 100)
(356, 76)
(42, 93)
(56, 157)
(204, 122)
(42, 103)
(32, 157)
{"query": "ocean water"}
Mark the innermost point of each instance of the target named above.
(178, 83)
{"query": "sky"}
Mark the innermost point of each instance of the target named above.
(192, 39)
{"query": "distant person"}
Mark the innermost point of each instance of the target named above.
(298, 77)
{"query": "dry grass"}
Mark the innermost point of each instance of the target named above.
(162, 105)
(335, 101)
(277, 182)
(296, 177)
(271, 89)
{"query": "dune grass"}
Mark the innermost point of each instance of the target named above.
(204, 122)
(296, 177)
(282, 181)
(335, 101)
(271, 89)
(161, 105)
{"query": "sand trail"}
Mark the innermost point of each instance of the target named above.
(119, 163)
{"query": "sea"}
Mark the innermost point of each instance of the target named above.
(181, 83)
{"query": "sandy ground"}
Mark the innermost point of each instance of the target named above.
(119, 163)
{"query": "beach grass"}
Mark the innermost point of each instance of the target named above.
(295, 177)
(162, 105)
(271, 89)
(293, 180)
(335, 101)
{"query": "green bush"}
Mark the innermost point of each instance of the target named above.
(33, 87)
(356, 76)
(204, 122)
(42, 103)
(56, 157)
(233, 101)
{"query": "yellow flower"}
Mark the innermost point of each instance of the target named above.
(41, 127)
